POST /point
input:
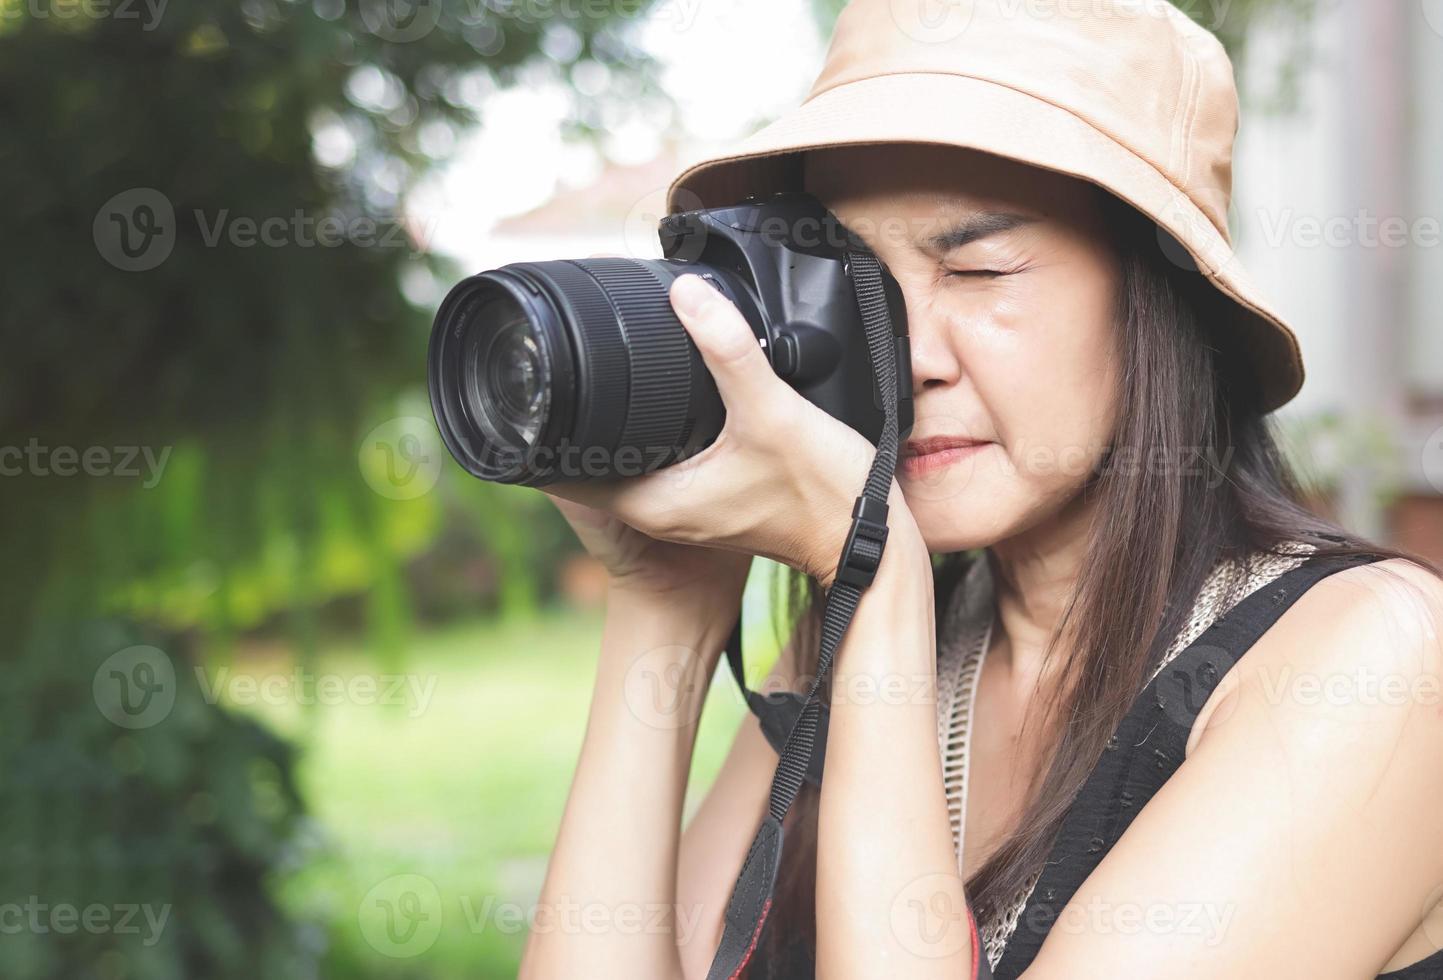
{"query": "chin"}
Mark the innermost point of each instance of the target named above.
(945, 539)
(962, 506)
(961, 523)
(982, 510)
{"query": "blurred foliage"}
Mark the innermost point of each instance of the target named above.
(252, 369)
(1326, 447)
(144, 851)
(214, 307)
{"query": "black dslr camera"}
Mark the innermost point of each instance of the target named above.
(578, 369)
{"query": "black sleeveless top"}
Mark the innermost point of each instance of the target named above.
(1146, 749)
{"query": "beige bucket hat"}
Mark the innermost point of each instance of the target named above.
(1131, 95)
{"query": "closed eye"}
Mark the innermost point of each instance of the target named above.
(977, 273)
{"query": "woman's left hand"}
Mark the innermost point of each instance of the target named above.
(780, 479)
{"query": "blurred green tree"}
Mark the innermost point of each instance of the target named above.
(215, 312)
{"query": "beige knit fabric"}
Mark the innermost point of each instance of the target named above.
(964, 636)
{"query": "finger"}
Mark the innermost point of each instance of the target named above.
(579, 515)
(736, 361)
(590, 494)
(629, 500)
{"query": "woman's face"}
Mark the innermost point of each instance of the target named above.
(1010, 287)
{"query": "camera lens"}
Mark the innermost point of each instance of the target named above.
(503, 377)
(569, 370)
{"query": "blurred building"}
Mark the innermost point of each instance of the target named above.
(616, 214)
(1339, 204)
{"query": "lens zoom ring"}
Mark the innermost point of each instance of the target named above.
(602, 362)
(660, 352)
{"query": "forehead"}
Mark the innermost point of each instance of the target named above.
(925, 184)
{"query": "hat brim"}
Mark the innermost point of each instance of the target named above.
(958, 110)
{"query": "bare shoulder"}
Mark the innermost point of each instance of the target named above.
(1407, 596)
(1377, 622)
(1309, 804)
(1365, 635)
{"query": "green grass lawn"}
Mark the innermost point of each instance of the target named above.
(439, 812)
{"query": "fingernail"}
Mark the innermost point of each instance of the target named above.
(691, 294)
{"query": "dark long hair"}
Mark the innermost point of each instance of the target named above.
(1189, 396)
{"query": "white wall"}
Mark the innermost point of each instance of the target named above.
(1363, 146)
(1425, 293)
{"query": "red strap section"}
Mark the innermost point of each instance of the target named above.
(752, 948)
(976, 942)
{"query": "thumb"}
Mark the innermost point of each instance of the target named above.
(726, 341)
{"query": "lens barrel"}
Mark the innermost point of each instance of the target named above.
(568, 370)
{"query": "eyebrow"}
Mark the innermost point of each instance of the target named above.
(975, 227)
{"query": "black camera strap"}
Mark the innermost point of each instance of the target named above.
(805, 743)
(778, 711)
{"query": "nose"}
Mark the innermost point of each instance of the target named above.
(934, 360)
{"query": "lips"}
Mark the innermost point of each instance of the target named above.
(923, 456)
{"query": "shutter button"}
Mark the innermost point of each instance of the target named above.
(786, 355)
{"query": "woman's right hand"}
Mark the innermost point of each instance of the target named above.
(685, 575)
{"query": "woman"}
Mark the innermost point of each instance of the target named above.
(1137, 716)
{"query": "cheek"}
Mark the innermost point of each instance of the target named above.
(1041, 362)
(1044, 364)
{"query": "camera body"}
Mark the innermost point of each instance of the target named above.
(575, 369)
(783, 261)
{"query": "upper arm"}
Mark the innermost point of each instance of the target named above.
(714, 844)
(1300, 836)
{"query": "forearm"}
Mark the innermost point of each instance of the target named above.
(889, 895)
(607, 907)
